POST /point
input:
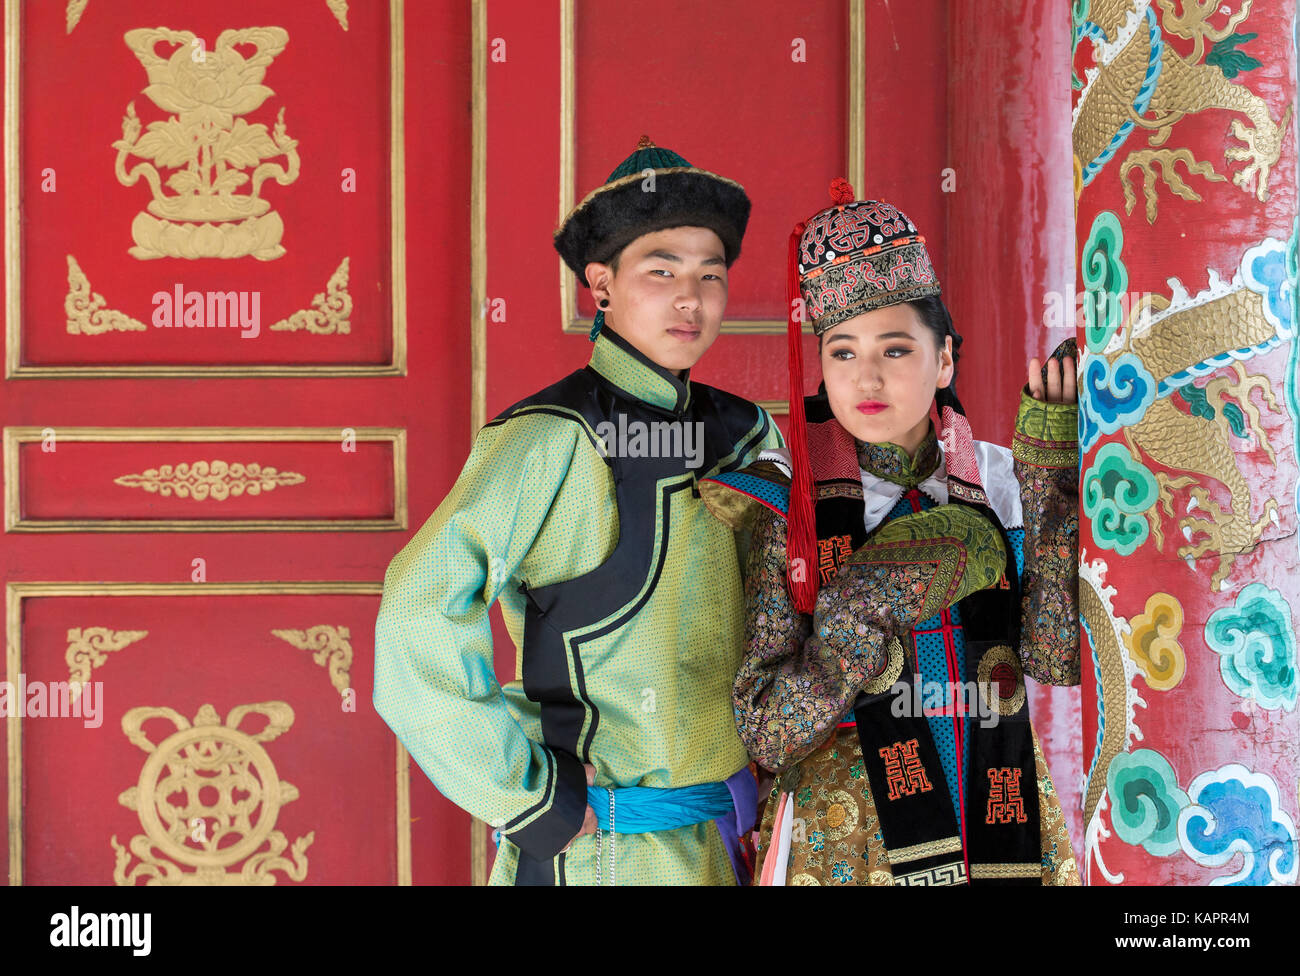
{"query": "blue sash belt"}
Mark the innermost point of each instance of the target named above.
(643, 809)
(731, 805)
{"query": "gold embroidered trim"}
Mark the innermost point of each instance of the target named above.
(838, 491)
(944, 845)
(1025, 870)
(893, 668)
(1046, 434)
(992, 689)
(1043, 421)
(1044, 457)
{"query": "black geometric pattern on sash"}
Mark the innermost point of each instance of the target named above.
(912, 812)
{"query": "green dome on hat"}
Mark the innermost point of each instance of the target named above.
(647, 156)
(614, 215)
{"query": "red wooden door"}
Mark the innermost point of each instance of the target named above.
(199, 508)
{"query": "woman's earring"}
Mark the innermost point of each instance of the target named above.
(604, 303)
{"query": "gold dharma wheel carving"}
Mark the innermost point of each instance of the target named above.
(208, 797)
(239, 764)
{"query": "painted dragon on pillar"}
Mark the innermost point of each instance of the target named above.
(1189, 439)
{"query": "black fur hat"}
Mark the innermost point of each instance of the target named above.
(614, 215)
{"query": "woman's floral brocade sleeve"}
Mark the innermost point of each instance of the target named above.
(1045, 449)
(795, 685)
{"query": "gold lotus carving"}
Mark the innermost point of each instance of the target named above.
(206, 147)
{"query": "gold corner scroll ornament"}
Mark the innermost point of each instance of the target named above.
(217, 480)
(339, 8)
(88, 648)
(331, 648)
(74, 11)
(330, 311)
(85, 308)
(329, 314)
(209, 835)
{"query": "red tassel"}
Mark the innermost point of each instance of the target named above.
(801, 536)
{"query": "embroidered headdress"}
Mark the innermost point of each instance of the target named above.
(851, 258)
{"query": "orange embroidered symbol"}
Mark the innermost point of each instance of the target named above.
(904, 772)
(831, 554)
(1005, 803)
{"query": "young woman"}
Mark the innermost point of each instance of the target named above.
(901, 580)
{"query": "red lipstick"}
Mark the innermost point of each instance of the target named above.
(872, 406)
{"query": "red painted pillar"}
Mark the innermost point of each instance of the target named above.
(1185, 153)
(1010, 245)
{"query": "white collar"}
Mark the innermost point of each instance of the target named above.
(879, 495)
(997, 473)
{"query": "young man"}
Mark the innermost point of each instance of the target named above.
(613, 755)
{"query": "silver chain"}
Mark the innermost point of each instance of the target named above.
(600, 846)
